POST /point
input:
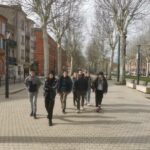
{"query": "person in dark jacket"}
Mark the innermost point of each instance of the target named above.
(74, 79)
(81, 86)
(88, 93)
(100, 87)
(64, 88)
(49, 94)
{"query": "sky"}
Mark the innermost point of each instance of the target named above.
(88, 13)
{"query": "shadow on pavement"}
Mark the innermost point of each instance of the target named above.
(125, 105)
(80, 140)
(69, 121)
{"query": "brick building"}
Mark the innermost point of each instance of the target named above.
(39, 53)
(3, 22)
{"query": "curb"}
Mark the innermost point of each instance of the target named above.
(15, 91)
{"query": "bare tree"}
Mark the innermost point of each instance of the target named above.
(40, 10)
(123, 13)
(55, 15)
(66, 11)
(105, 23)
(73, 39)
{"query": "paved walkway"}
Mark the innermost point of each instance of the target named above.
(124, 124)
(13, 88)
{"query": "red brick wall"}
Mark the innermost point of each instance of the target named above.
(39, 53)
(2, 52)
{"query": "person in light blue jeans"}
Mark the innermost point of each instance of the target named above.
(88, 93)
(33, 83)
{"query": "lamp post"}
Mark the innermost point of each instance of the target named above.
(118, 67)
(6, 47)
(8, 42)
(138, 64)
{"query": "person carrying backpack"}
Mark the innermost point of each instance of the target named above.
(33, 83)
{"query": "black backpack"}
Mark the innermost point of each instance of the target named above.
(32, 87)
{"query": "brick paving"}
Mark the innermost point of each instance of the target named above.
(124, 124)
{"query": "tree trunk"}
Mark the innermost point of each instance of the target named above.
(122, 58)
(147, 67)
(46, 51)
(71, 67)
(111, 64)
(59, 59)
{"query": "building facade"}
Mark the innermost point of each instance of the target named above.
(39, 53)
(21, 29)
(3, 22)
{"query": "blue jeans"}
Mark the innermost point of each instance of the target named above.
(88, 96)
(33, 101)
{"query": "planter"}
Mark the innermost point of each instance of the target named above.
(131, 84)
(144, 89)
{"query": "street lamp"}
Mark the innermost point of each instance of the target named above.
(118, 67)
(8, 42)
(138, 64)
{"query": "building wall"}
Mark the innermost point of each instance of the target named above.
(3, 22)
(39, 53)
(22, 27)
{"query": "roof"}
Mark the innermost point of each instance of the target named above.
(14, 7)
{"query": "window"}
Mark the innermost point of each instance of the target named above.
(1, 43)
(22, 54)
(3, 28)
(22, 25)
(0, 27)
(22, 40)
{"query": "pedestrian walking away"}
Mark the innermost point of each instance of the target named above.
(81, 86)
(88, 93)
(49, 94)
(64, 88)
(33, 83)
(100, 87)
(74, 79)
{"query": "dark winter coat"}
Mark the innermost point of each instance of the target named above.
(105, 85)
(73, 83)
(50, 88)
(64, 84)
(81, 85)
(89, 81)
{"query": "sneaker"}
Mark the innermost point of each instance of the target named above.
(82, 108)
(31, 114)
(98, 110)
(50, 123)
(35, 116)
(63, 111)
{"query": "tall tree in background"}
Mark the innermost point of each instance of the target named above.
(105, 23)
(55, 15)
(73, 40)
(123, 13)
(66, 12)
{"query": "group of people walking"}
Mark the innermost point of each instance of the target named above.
(80, 84)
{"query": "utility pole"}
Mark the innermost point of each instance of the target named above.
(138, 64)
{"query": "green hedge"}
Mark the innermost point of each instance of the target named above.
(147, 79)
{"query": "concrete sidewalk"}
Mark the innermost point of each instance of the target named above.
(124, 124)
(13, 88)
